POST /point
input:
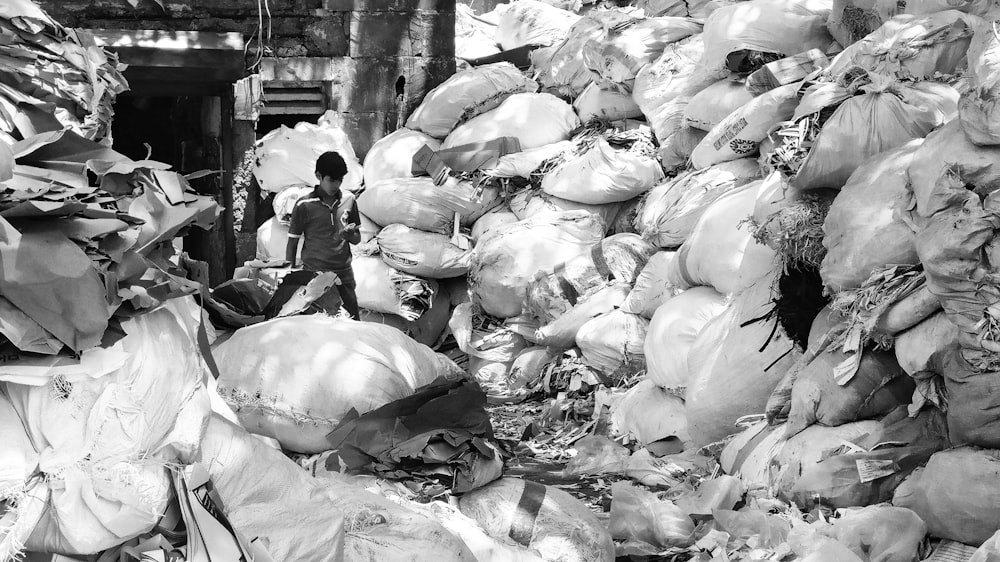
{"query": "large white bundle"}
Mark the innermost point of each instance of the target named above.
(647, 413)
(475, 36)
(613, 343)
(565, 70)
(534, 119)
(721, 252)
(617, 58)
(602, 175)
(979, 108)
(508, 258)
(294, 378)
(738, 135)
(671, 210)
(915, 47)
(467, 94)
(424, 254)
(606, 104)
(286, 157)
(104, 444)
(710, 106)
(663, 89)
(787, 27)
(392, 155)
(529, 203)
(381, 288)
(285, 201)
(672, 333)
(418, 203)
(735, 363)
(530, 22)
(272, 240)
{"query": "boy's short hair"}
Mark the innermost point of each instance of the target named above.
(331, 164)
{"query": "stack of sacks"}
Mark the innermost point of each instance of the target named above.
(102, 386)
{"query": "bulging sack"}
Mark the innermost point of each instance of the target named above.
(712, 105)
(945, 148)
(618, 258)
(556, 525)
(979, 108)
(784, 27)
(427, 329)
(467, 94)
(616, 58)
(532, 202)
(508, 258)
(392, 155)
(496, 218)
(652, 287)
(475, 36)
(721, 252)
(664, 88)
(561, 332)
(647, 413)
(866, 226)
(955, 494)
(602, 175)
(613, 343)
(672, 334)
(424, 254)
(671, 210)
(606, 104)
(735, 362)
(914, 47)
(104, 444)
(272, 240)
(334, 364)
(522, 164)
(740, 133)
(877, 388)
(381, 288)
(891, 113)
(565, 71)
(286, 157)
(418, 203)
(530, 22)
(534, 119)
(853, 20)
(267, 496)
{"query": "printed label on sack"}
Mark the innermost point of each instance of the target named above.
(398, 259)
(873, 469)
(730, 133)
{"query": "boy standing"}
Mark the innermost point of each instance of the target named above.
(328, 221)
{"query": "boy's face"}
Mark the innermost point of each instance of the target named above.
(328, 185)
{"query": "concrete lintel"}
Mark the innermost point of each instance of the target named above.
(307, 69)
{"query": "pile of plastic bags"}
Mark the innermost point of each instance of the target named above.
(822, 240)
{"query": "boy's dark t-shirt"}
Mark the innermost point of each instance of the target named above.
(326, 245)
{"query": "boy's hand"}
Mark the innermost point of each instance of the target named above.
(347, 225)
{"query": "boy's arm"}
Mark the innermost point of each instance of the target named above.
(295, 228)
(353, 234)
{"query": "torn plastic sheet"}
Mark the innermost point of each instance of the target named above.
(38, 370)
(50, 279)
(442, 429)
